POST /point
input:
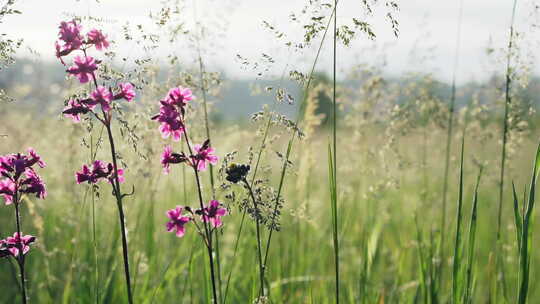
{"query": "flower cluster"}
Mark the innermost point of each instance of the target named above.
(12, 245)
(20, 177)
(210, 213)
(171, 112)
(201, 157)
(84, 69)
(97, 171)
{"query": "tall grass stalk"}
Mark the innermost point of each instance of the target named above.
(292, 139)
(449, 135)
(332, 158)
(456, 282)
(468, 297)
(507, 101)
(523, 223)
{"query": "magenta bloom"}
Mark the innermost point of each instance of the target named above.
(127, 91)
(97, 172)
(35, 158)
(83, 68)
(33, 184)
(7, 190)
(102, 96)
(213, 213)
(70, 34)
(179, 96)
(169, 157)
(171, 121)
(97, 38)
(204, 155)
(93, 174)
(15, 242)
(177, 221)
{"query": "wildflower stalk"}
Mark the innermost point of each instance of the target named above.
(20, 258)
(118, 194)
(207, 129)
(451, 111)
(207, 231)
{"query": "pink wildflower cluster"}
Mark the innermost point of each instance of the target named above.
(84, 69)
(171, 112)
(210, 213)
(12, 245)
(20, 177)
(97, 171)
(201, 157)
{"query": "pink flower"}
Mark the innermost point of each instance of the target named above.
(121, 177)
(93, 174)
(212, 213)
(70, 34)
(171, 121)
(177, 221)
(127, 91)
(7, 190)
(33, 184)
(204, 155)
(97, 38)
(35, 158)
(74, 110)
(16, 242)
(102, 96)
(169, 157)
(179, 97)
(83, 68)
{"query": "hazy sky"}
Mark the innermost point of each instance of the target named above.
(427, 29)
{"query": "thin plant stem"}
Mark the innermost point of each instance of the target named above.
(334, 165)
(20, 257)
(291, 141)
(118, 195)
(508, 100)
(449, 134)
(258, 229)
(207, 231)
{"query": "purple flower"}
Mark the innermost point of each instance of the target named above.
(35, 158)
(102, 96)
(127, 91)
(171, 121)
(93, 174)
(70, 34)
(74, 110)
(97, 38)
(177, 221)
(15, 242)
(179, 97)
(169, 157)
(204, 155)
(33, 184)
(212, 213)
(83, 68)
(7, 190)
(98, 171)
